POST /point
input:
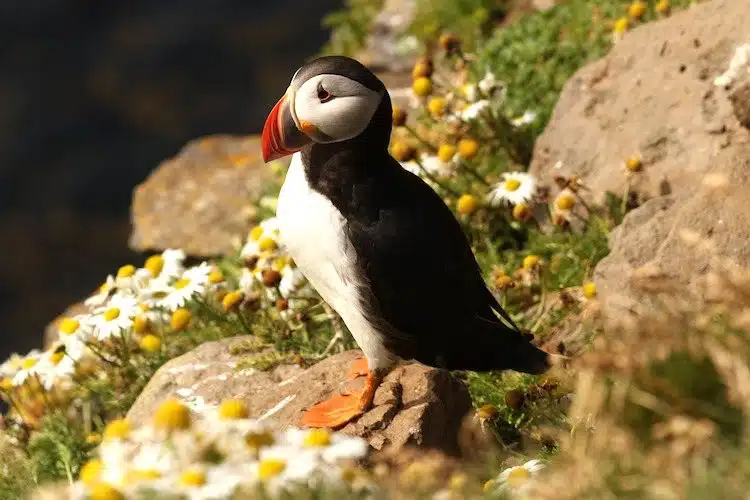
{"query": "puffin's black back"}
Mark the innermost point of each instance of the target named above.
(421, 285)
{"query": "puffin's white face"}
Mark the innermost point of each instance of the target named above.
(333, 108)
(330, 99)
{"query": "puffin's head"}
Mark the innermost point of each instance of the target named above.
(330, 99)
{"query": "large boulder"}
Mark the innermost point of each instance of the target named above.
(414, 406)
(200, 200)
(668, 242)
(652, 96)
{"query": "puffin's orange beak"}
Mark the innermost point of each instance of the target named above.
(281, 136)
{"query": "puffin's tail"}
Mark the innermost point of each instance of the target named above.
(491, 345)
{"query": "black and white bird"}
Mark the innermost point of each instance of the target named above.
(377, 243)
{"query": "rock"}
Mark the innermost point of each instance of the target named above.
(654, 249)
(200, 200)
(652, 96)
(741, 104)
(387, 49)
(414, 406)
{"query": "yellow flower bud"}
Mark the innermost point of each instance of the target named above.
(172, 415)
(530, 262)
(231, 300)
(150, 343)
(436, 106)
(446, 152)
(467, 204)
(233, 409)
(468, 148)
(402, 151)
(180, 319)
(422, 87)
(637, 9)
(398, 116)
(589, 289)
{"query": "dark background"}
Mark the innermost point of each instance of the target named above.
(93, 94)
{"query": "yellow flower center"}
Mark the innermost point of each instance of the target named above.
(231, 299)
(6, 384)
(193, 478)
(136, 475)
(530, 262)
(216, 276)
(111, 314)
(93, 438)
(172, 415)
(271, 467)
(280, 263)
(565, 202)
(29, 363)
(512, 184)
(233, 409)
(56, 357)
(154, 265)
(150, 343)
(69, 326)
(117, 429)
(518, 476)
(126, 271)
(402, 151)
(257, 440)
(102, 491)
(589, 290)
(140, 324)
(181, 283)
(91, 471)
(180, 319)
(446, 152)
(267, 244)
(317, 437)
(467, 204)
(256, 233)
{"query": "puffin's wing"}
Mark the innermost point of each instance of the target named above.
(422, 285)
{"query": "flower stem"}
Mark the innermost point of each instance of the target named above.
(432, 178)
(426, 144)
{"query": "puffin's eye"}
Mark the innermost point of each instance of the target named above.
(323, 94)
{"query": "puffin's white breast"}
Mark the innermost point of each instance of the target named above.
(313, 230)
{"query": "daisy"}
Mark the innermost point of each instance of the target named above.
(329, 446)
(489, 84)
(115, 317)
(248, 281)
(210, 483)
(262, 240)
(518, 480)
(411, 166)
(516, 187)
(11, 366)
(436, 166)
(55, 367)
(192, 282)
(103, 294)
(469, 92)
(525, 119)
(474, 110)
(29, 367)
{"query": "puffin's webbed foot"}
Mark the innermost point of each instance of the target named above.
(340, 409)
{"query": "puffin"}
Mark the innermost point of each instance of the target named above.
(378, 244)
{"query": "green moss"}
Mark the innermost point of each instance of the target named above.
(471, 20)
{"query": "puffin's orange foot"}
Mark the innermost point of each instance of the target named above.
(340, 409)
(358, 369)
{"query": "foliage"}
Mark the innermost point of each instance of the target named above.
(350, 26)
